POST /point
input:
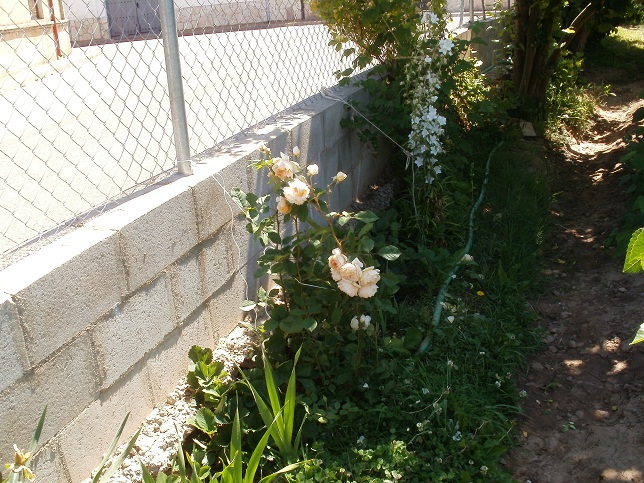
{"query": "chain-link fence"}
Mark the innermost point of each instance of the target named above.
(84, 95)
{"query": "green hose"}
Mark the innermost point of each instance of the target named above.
(438, 309)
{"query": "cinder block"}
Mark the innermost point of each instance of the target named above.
(156, 229)
(223, 306)
(333, 132)
(168, 363)
(309, 136)
(13, 356)
(84, 441)
(216, 262)
(66, 384)
(212, 194)
(185, 286)
(132, 329)
(48, 466)
(63, 287)
(241, 245)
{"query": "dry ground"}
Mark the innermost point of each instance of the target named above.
(584, 413)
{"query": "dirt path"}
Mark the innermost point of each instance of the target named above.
(584, 413)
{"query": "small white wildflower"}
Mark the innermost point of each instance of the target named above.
(497, 383)
(471, 462)
(365, 386)
(467, 258)
(312, 169)
(296, 151)
(340, 177)
(445, 46)
(433, 18)
(361, 440)
(523, 394)
(450, 319)
(425, 390)
(457, 436)
(355, 323)
(484, 470)
(450, 363)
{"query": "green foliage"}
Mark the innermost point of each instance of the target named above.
(570, 104)
(620, 55)
(639, 337)
(312, 300)
(344, 363)
(217, 455)
(381, 35)
(281, 414)
(382, 31)
(235, 471)
(634, 263)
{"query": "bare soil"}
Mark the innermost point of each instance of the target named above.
(584, 411)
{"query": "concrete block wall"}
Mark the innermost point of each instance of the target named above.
(99, 323)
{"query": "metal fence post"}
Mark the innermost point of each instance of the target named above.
(175, 85)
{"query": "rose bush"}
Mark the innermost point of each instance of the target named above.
(307, 300)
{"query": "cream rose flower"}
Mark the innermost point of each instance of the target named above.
(335, 275)
(351, 272)
(337, 259)
(349, 287)
(282, 206)
(312, 169)
(362, 323)
(370, 275)
(367, 291)
(296, 151)
(284, 168)
(264, 149)
(297, 192)
(340, 177)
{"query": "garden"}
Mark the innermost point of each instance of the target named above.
(475, 327)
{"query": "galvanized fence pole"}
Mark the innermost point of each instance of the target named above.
(175, 85)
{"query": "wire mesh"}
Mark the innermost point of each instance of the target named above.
(86, 114)
(84, 96)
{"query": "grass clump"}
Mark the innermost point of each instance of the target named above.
(620, 55)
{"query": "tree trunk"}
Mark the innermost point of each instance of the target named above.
(536, 52)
